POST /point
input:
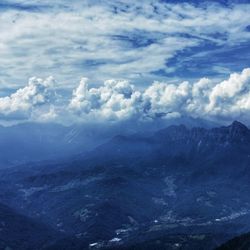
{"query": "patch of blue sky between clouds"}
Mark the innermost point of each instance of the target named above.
(19, 6)
(211, 60)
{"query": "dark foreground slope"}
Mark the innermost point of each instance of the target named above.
(178, 186)
(20, 232)
(238, 243)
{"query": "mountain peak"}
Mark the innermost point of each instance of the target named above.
(238, 125)
(237, 129)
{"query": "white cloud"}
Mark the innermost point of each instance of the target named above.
(25, 101)
(229, 91)
(120, 39)
(111, 39)
(119, 100)
(116, 100)
(166, 98)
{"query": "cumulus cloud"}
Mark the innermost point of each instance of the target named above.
(163, 98)
(228, 99)
(115, 100)
(25, 102)
(226, 96)
(119, 100)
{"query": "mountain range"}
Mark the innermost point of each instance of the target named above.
(34, 142)
(176, 188)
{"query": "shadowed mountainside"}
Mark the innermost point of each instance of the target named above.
(241, 242)
(20, 232)
(142, 188)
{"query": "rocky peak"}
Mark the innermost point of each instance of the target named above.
(238, 126)
(237, 129)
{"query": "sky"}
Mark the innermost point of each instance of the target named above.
(102, 60)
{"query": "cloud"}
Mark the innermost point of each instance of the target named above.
(25, 102)
(116, 100)
(117, 39)
(119, 100)
(230, 90)
(162, 98)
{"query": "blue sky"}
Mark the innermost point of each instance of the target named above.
(146, 41)
(141, 42)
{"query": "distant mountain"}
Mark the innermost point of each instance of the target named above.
(178, 142)
(34, 142)
(139, 188)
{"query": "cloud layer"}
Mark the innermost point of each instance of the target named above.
(119, 100)
(120, 39)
